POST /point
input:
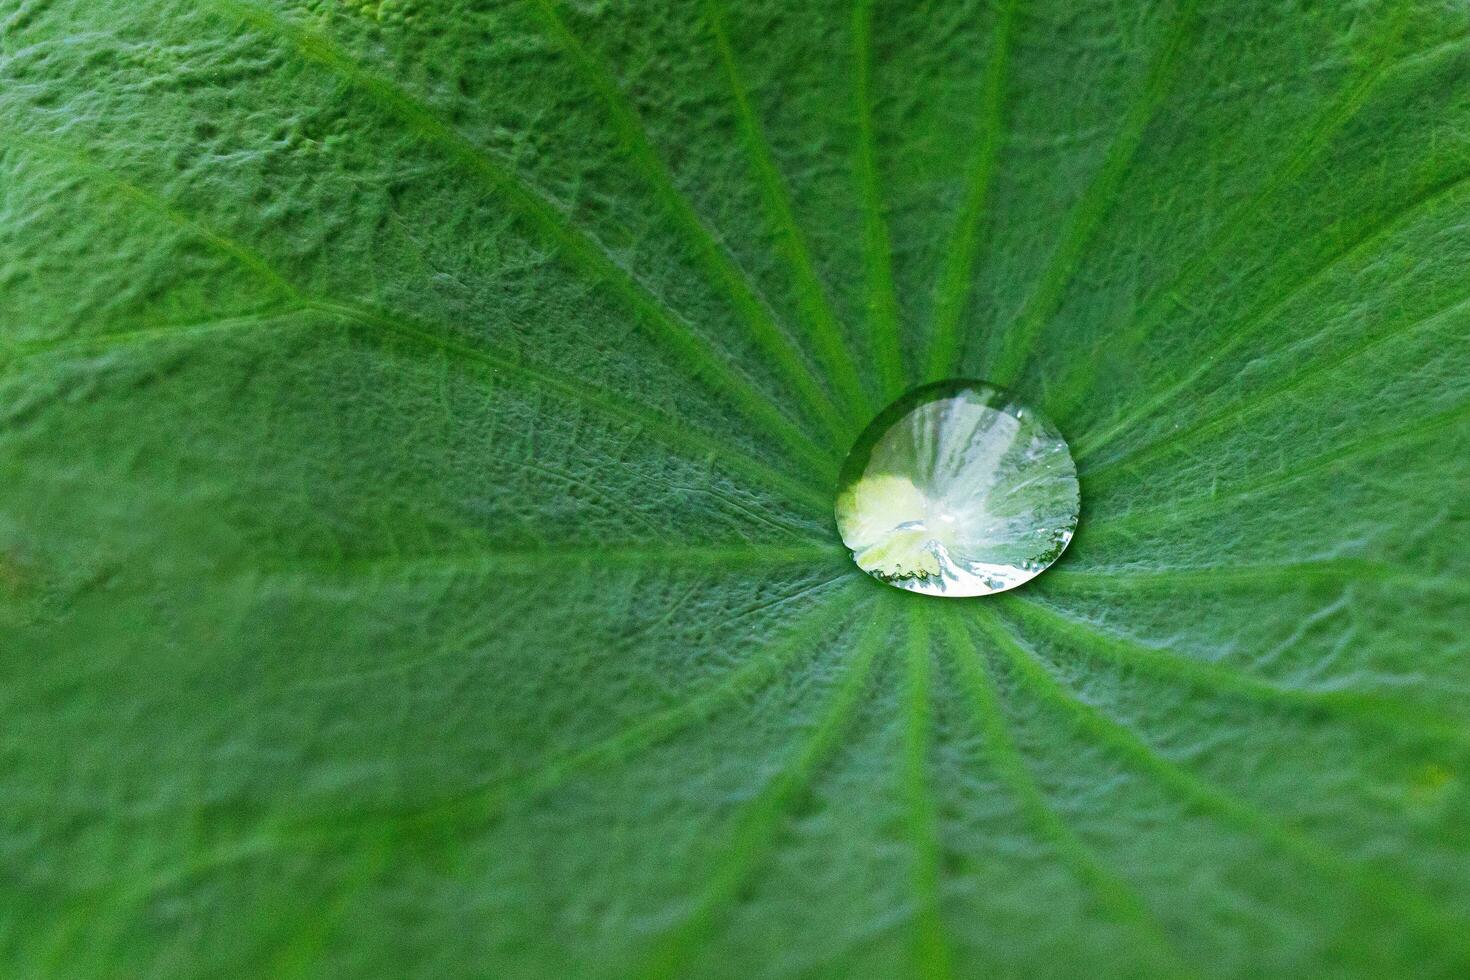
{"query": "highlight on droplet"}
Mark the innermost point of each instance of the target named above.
(958, 489)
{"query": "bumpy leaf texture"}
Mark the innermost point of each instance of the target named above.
(418, 424)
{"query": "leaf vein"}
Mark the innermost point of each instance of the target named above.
(1114, 892)
(758, 825)
(1262, 397)
(953, 288)
(932, 949)
(1148, 517)
(882, 298)
(1337, 115)
(1411, 721)
(1097, 200)
(826, 334)
(681, 438)
(664, 325)
(1374, 887)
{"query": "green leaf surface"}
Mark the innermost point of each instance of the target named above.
(418, 433)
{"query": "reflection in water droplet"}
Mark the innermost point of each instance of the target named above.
(957, 489)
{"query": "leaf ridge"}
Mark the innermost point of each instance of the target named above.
(625, 642)
(85, 929)
(1410, 721)
(126, 338)
(953, 288)
(693, 441)
(681, 438)
(718, 263)
(758, 825)
(659, 557)
(1375, 887)
(1097, 201)
(137, 194)
(1261, 397)
(548, 773)
(1407, 434)
(302, 954)
(664, 325)
(1114, 893)
(931, 947)
(811, 293)
(1333, 571)
(882, 298)
(1337, 115)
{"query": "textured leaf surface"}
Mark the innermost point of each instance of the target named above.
(418, 424)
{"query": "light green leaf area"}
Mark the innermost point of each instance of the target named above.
(418, 433)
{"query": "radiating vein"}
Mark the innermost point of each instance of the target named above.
(1113, 892)
(812, 295)
(99, 342)
(1192, 578)
(664, 325)
(1406, 720)
(1162, 304)
(150, 201)
(301, 955)
(1375, 888)
(1230, 415)
(1145, 518)
(932, 952)
(754, 834)
(626, 642)
(695, 443)
(1265, 313)
(718, 264)
(539, 558)
(539, 777)
(682, 438)
(882, 297)
(97, 917)
(1097, 201)
(953, 288)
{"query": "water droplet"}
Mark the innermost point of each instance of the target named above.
(957, 489)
